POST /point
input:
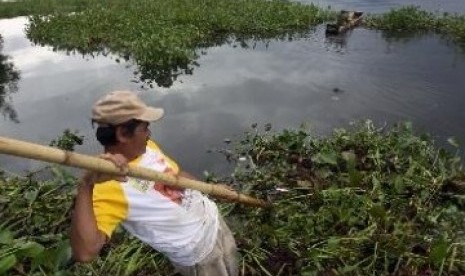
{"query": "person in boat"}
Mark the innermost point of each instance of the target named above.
(183, 224)
(345, 18)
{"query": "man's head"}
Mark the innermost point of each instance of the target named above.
(123, 121)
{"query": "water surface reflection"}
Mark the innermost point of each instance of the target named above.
(9, 78)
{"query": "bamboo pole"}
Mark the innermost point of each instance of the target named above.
(72, 159)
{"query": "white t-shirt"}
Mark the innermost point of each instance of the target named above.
(181, 224)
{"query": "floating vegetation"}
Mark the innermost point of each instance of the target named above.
(363, 201)
(67, 140)
(164, 37)
(370, 201)
(28, 7)
(412, 19)
(35, 221)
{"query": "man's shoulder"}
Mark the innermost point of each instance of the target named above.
(152, 145)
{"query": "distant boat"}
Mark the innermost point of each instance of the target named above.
(345, 21)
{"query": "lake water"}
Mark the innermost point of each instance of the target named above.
(419, 79)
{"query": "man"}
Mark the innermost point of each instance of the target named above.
(183, 224)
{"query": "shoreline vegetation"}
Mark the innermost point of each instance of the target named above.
(364, 200)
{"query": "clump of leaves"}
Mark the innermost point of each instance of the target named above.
(22, 256)
(139, 259)
(27, 7)
(35, 219)
(365, 201)
(454, 27)
(67, 140)
(412, 19)
(405, 19)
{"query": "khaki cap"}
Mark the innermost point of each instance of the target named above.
(118, 107)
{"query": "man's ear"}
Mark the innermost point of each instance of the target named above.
(121, 135)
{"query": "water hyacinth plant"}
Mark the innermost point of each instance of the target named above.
(162, 37)
(412, 19)
(15, 8)
(369, 201)
(35, 218)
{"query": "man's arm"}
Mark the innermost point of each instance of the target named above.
(86, 239)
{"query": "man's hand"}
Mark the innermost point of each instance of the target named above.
(91, 177)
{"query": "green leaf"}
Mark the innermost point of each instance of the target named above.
(6, 237)
(7, 263)
(348, 268)
(438, 252)
(31, 249)
(349, 157)
(62, 254)
(326, 158)
(333, 243)
(378, 212)
(399, 184)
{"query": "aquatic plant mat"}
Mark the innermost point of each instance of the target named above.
(412, 20)
(164, 37)
(363, 201)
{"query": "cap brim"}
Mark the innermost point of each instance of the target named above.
(151, 114)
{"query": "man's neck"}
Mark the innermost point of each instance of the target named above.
(126, 152)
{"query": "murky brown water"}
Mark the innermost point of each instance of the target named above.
(322, 83)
